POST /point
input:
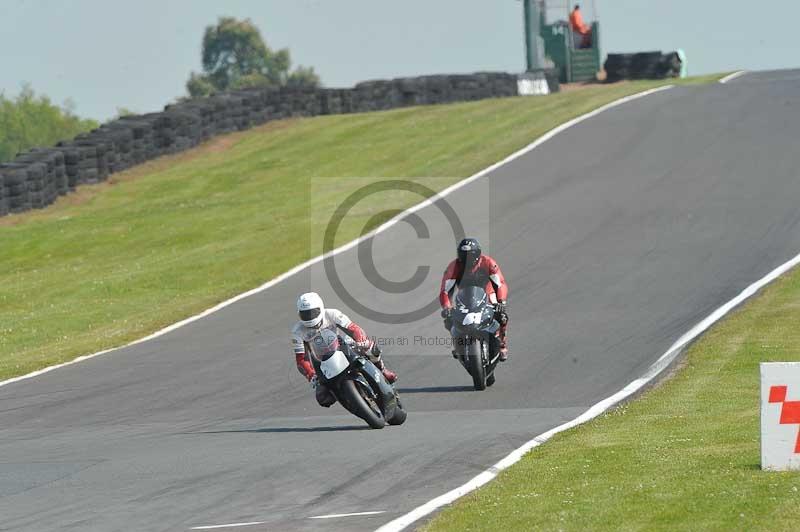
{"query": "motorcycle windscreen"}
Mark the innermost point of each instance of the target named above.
(324, 344)
(471, 298)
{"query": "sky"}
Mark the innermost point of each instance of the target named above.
(108, 54)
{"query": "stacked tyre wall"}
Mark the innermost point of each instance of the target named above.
(38, 177)
(643, 65)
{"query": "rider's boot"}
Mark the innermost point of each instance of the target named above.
(503, 350)
(503, 346)
(388, 374)
(503, 353)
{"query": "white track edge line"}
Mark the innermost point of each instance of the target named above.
(452, 188)
(732, 76)
(352, 514)
(595, 410)
(231, 525)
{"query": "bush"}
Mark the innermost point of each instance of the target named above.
(31, 120)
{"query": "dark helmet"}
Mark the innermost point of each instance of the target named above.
(469, 251)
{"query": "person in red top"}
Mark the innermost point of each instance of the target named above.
(472, 268)
(579, 27)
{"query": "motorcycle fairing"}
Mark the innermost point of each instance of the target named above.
(387, 397)
(334, 365)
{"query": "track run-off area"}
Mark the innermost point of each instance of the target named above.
(617, 236)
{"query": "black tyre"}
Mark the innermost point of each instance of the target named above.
(475, 365)
(360, 406)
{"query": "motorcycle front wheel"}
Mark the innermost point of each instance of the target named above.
(399, 416)
(359, 405)
(475, 364)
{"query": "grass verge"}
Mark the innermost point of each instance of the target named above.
(685, 456)
(116, 261)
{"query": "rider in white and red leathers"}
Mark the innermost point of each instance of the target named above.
(314, 317)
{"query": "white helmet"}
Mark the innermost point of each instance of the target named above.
(310, 309)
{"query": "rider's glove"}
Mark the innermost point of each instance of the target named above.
(447, 316)
(500, 312)
(314, 382)
(364, 345)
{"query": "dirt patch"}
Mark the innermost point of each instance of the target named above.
(221, 144)
(216, 145)
(583, 85)
(86, 192)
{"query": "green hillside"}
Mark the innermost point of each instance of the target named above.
(116, 261)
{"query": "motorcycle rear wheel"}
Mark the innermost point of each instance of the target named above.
(475, 365)
(359, 405)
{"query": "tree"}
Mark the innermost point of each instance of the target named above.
(235, 56)
(32, 120)
(303, 77)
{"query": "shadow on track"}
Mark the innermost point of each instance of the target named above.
(289, 429)
(436, 389)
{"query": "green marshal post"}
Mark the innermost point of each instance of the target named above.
(573, 62)
(532, 52)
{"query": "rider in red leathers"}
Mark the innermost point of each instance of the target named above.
(472, 268)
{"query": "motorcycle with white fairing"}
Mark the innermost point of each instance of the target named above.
(355, 381)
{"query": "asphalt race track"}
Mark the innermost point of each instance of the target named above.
(616, 236)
